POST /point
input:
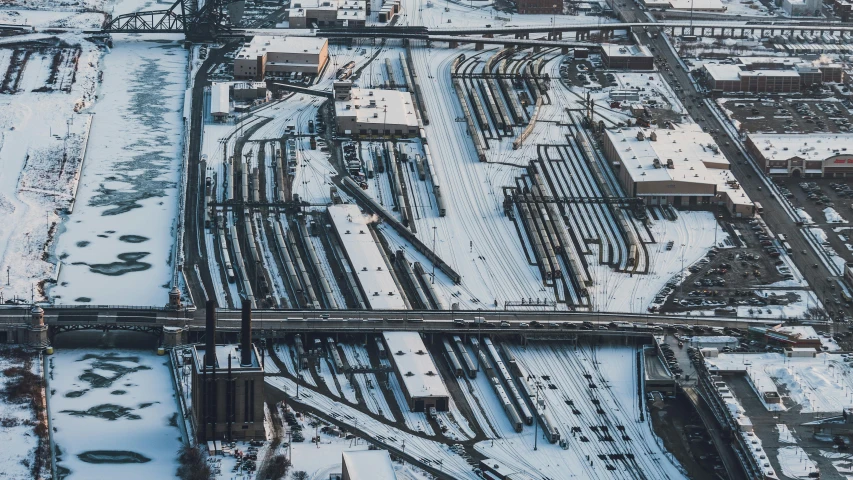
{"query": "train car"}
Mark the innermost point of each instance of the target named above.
(439, 201)
(229, 181)
(453, 360)
(632, 255)
(549, 427)
(244, 182)
(336, 356)
(301, 358)
(469, 364)
(380, 348)
(523, 410)
(508, 406)
(207, 207)
(226, 257)
(419, 164)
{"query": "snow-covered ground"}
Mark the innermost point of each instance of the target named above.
(38, 129)
(117, 246)
(16, 432)
(114, 414)
(822, 384)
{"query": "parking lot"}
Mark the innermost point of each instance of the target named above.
(726, 279)
(785, 115)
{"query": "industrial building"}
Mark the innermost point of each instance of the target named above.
(227, 385)
(328, 13)
(306, 55)
(768, 75)
(695, 5)
(361, 111)
(422, 385)
(627, 57)
(547, 7)
(680, 166)
(367, 465)
(248, 91)
(802, 8)
(220, 102)
(803, 155)
(372, 271)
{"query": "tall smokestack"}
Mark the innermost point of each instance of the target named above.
(210, 334)
(246, 335)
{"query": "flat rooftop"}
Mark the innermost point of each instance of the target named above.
(222, 354)
(690, 149)
(369, 465)
(723, 72)
(379, 287)
(378, 107)
(808, 146)
(415, 364)
(614, 50)
(264, 44)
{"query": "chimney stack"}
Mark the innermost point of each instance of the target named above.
(246, 335)
(210, 334)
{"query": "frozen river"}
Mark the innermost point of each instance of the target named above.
(117, 245)
(114, 414)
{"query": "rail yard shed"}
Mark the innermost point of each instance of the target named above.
(422, 385)
(373, 273)
(220, 103)
(678, 166)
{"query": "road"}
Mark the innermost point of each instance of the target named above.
(751, 180)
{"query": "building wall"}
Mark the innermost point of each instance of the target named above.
(628, 62)
(551, 7)
(248, 405)
(350, 123)
(280, 62)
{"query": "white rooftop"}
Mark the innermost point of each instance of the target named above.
(721, 72)
(378, 107)
(803, 332)
(808, 146)
(715, 5)
(219, 98)
(263, 44)
(411, 356)
(222, 354)
(689, 148)
(616, 50)
(363, 252)
(369, 465)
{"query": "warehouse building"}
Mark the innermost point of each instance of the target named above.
(695, 5)
(627, 57)
(367, 465)
(307, 55)
(680, 166)
(362, 111)
(422, 385)
(802, 8)
(328, 13)
(803, 155)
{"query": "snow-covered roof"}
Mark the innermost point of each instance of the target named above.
(617, 50)
(721, 72)
(222, 354)
(261, 45)
(366, 258)
(808, 146)
(415, 364)
(690, 149)
(374, 106)
(707, 5)
(219, 98)
(369, 465)
(803, 332)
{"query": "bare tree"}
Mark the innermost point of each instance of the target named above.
(299, 475)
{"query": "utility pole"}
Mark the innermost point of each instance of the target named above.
(536, 422)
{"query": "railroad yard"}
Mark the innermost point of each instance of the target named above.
(426, 239)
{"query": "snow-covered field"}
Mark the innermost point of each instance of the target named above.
(16, 424)
(117, 245)
(114, 414)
